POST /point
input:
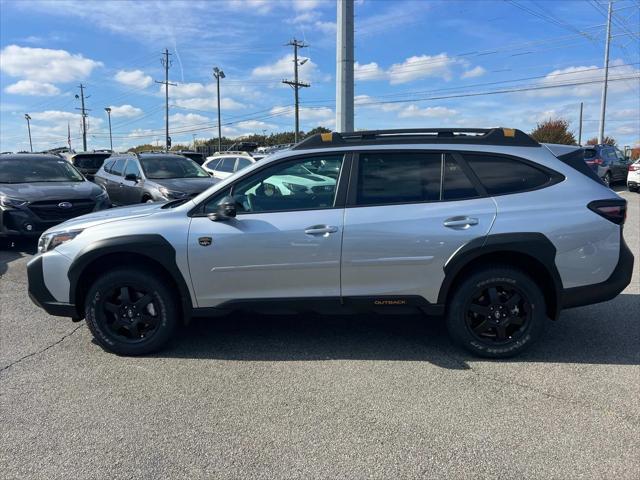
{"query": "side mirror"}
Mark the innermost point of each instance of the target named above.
(226, 210)
(132, 177)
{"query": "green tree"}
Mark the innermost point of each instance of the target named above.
(554, 131)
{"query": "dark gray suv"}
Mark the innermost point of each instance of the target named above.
(151, 177)
(38, 191)
(607, 163)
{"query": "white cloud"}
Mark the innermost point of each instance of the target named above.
(125, 111)
(133, 78)
(284, 68)
(45, 65)
(412, 111)
(209, 103)
(31, 87)
(187, 120)
(305, 5)
(413, 68)
(422, 66)
(368, 71)
(328, 28)
(587, 74)
(474, 72)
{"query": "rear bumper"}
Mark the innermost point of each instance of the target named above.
(610, 288)
(40, 295)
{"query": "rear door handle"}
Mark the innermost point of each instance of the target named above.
(320, 230)
(460, 223)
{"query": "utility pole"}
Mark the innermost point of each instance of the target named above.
(580, 128)
(166, 64)
(28, 118)
(108, 110)
(344, 67)
(297, 85)
(218, 74)
(603, 103)
(84, 118)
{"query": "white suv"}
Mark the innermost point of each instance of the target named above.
(487, 227)
(223, 165)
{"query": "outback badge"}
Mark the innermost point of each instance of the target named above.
(205, 241)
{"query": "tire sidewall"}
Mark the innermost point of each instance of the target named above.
(460, 331)
(96, 319)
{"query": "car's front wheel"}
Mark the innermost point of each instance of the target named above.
(607, 179)
(496, 312)
(131, 312)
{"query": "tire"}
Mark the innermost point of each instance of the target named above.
(131, 312)
(480, 317)
(147, 199)
(607, 179)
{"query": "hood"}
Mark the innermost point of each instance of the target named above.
(186, 185)
(109, 215)
(34, 192)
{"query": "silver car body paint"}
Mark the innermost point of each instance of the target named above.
(386, 250)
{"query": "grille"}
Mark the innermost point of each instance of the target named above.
(49, 210)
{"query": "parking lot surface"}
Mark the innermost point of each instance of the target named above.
(319, 397)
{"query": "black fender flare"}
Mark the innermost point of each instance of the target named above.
(531, 244)
(152, 246)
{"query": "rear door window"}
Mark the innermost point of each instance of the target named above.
(117, 167)
(455, 183)
(500, 175)
(399, 177)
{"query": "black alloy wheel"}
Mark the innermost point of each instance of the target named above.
(498, 313)
(131, 313)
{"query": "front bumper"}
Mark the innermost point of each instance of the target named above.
(610, 288)
(41, 296)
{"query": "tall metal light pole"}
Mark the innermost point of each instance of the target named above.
(580, 128)
(603, 102)
(108, 110)
(28, 118)
(344, 67)
(218, 74)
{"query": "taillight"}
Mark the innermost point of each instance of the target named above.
(596, 161)
(613, 210)
(633, 167)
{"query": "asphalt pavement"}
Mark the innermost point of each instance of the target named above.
(319, 397)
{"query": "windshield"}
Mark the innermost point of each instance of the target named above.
(171, 167)
(31, 171)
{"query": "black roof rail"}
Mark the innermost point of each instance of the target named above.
(468, 136)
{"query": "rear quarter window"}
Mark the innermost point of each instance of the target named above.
(502, 175)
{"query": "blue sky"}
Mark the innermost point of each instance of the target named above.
(419, 64)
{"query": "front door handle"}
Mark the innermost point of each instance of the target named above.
(460, 223)
(320, 230)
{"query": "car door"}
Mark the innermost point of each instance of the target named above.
(131, 191)
(407, 213)
(113, 181)
(278, 246)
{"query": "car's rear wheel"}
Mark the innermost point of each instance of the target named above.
(496, 312)
(131, 312)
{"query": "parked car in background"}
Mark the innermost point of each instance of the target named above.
(224, 164)
(243, 146)
(151, 177)
(88, 163)
(484, 226)
(195, 156)
(633, 177)
(38, 191)
(605, 161)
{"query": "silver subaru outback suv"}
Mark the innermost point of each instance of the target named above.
(486, 227)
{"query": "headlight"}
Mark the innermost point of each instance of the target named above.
(49, 241)
(11, 202)
(171, 193)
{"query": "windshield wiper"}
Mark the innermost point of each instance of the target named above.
(175, 203)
